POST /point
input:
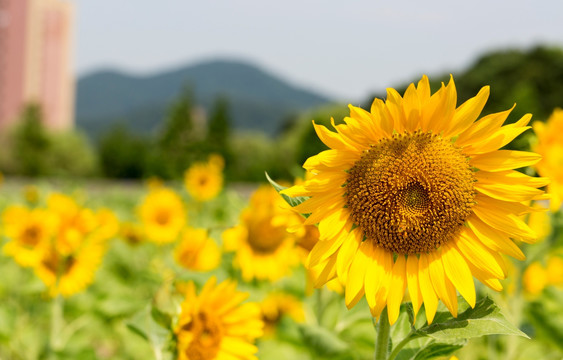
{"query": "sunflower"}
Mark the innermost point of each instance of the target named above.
(131, 232)
(278, 305)
(264, 248)
(415, 194)
(216, 325)
(204, 181)
(197, 251)
(30, 233)
(69, 273)
(163, 216)
(550, 146)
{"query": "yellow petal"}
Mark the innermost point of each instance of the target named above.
(381, 114)
(397, 289)
(394, 104)
(439, 110)
(500, 219)
(411, 107)
(374, 275)
(423, 89)
(510, 177)
(381, 297)
(472, 249)
(499, 139)
(347, 253)
(426, 288)
(501, 160)
(484, 277)
(332, 139)
(438, 279)
(483, 128)
(493, 239)
(356, 275)
(412, 282)
(458, 272)
(328, 272)
(468, 112)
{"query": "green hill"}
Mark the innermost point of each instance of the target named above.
(258, 100)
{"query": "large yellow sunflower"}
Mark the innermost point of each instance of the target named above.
(550, 146)
(264, 248)
(216, 325)
(163, 216)
(415, 195)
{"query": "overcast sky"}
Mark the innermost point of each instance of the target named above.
(344, 49)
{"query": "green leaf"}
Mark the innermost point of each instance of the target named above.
(292, 201)
(144, 325)
(436, 349)
(322, 341)
(161, 318)
(485, 319)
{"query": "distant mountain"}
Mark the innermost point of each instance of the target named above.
(258, 100)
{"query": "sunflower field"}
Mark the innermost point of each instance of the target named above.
(417, 234)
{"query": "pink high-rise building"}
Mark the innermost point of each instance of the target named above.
(35, 60)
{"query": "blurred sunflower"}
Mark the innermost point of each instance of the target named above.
(415, 193)
(204, 181)
(30, 233)
(197, 251)
(108, 224)
(74, 222)
(264, 248)
(278, 305)
(163, 216)
(31, 194)
(67, 274)
(550, 146)
(216, 325)
(131, 232)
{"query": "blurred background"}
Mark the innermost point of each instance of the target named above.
(132, 89)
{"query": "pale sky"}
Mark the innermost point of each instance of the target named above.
(344, 49)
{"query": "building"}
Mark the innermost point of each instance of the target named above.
(35, 60)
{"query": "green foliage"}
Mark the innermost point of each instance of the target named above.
(70, 154)
(122, 154)
(218, 134)
(31, 143)
(31, 150)
(485, 319)
(308, 143)
(256, 153)
(176, 142)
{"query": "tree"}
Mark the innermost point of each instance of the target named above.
(177, 140)
(219, 130)
(31, 143)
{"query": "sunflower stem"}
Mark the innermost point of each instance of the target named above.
(56, 323)
(320, 305)
(382, 340)
(399, 347)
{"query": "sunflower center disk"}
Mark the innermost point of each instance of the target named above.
(411, 193)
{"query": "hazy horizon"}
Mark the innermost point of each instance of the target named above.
(344, 51)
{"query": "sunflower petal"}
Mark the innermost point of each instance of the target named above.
(412, 281)
(426, 288)
(397, 290)
(459, 273)
(501, 160)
